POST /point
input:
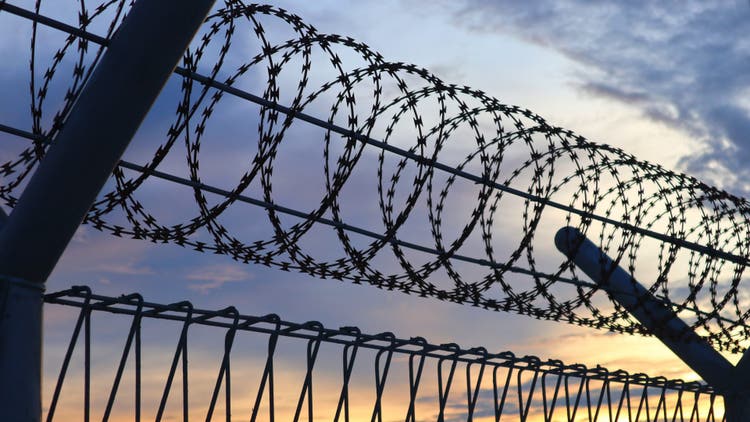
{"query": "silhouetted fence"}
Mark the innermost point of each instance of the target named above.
(262, 368)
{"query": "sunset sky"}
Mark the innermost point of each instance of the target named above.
(665, 81)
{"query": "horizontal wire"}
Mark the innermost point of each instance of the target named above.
(21, 133)
(307, 216)
(414, 246)
(290, 211)
(454, 171)
(341, 225)
(52, 23)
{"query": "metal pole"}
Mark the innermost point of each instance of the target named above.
(659, 319)
(139, 59)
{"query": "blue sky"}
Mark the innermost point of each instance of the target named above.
(667, 82)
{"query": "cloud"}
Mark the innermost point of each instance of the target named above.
(448, 71)
(125, 268)
(684, 64)
(215, 276)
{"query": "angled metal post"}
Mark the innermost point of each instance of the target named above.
(139, 59)
(658, 318)
(738, 405)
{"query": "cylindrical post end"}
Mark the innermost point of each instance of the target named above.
(568, 240)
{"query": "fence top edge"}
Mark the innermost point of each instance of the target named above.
(229, 318)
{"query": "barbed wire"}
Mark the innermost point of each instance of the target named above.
(468, 191)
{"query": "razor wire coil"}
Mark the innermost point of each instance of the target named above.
(408, 129)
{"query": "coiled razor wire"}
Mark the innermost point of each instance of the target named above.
(475, 230)
(265, 368)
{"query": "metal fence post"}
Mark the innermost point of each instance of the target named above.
(139, 59)
(660, 320)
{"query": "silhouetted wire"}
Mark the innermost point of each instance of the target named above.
(354, 229)
(512, 386)
(615, 199)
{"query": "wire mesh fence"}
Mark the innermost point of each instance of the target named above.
(128, 359)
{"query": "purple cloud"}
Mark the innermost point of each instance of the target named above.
(684, 64)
